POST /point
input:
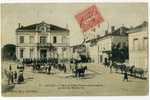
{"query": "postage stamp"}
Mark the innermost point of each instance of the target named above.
(89, 18)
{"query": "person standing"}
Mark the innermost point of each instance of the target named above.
(20, 77)
(76, 70)
(9, 77)
(105, 62)
(33, 67)
(15, 76)
(65, 69)
(49, 69)
(10, 68)
(125, 76)
(12, 77)
(111, 65)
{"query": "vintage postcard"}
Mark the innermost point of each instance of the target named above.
(74, 49)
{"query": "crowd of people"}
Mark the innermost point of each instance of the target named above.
(48, 67)
(76, 68)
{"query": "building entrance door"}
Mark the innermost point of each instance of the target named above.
(43, 53)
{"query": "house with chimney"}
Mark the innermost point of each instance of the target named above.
(42, 40)
(100, 47)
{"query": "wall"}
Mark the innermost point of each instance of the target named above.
(104, 45)
(93, 53)
(138, 55)
(62, 41)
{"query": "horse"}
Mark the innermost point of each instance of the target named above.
(115, 66)
(137, 71)
(127, 69)
(119, 66)
(80, 71)
(123, 68)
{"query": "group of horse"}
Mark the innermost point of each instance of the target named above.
(131, 70)
(78, 70)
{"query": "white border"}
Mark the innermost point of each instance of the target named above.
(74, 1)
(81, 97)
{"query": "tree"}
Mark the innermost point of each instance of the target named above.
(118, 53)
(9, 52)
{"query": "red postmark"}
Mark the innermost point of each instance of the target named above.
(89, 18)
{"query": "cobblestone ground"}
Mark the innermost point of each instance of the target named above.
(98, 81)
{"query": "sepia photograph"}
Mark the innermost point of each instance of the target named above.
(74, 49)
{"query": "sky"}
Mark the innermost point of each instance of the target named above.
(63, 15)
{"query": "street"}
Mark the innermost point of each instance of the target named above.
(98, 81)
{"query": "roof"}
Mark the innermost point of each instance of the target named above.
(121, 31)
(139, 28)
(38, 28)
(78, 45)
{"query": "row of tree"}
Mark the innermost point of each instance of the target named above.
(119, 53)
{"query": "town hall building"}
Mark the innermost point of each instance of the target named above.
(42, 40)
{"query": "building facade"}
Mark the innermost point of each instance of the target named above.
(42, 40)
(99, 47)
(138, 46)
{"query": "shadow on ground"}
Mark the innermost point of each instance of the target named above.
(86, 76)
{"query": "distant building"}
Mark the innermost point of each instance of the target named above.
(79, 52)
(138, 46)
(42, 40)
(99, 47)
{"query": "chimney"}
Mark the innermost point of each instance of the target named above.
(112, 29)
(19, 25)
(121, 29)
